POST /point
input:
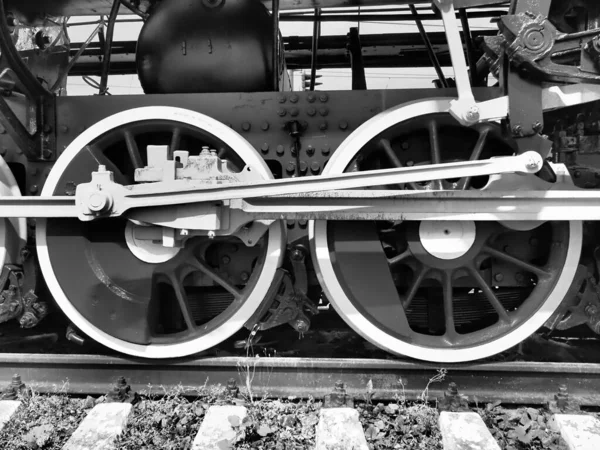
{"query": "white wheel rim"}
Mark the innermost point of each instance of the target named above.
(274, 248)
(344, 306)
(13, 231)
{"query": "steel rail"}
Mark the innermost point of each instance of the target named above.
(511, 382)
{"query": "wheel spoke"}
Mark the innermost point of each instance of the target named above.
(465, 183)
(414, 287)
(133, 150)
(399, 258)
(209, 272)
(94, 158)
(515, 261)
(389, 152)
(182, 299)
(385, 145)
(489, 293)
(448, 304)
(435, 149)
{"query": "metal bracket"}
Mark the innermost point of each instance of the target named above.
(465, 109)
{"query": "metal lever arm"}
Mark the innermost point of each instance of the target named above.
(103, 197)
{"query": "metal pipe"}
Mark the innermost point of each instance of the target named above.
(315, 48)
(427, 42)
(276, 45)
(382, 17)
(110, 31)
(77, 55)
(471, 58)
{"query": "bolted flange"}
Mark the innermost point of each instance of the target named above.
(14, 389)
(453, 401)
(121, 392)
(562, 403)
(338, 397)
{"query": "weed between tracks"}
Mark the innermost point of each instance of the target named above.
(169, 420)
(43, 421)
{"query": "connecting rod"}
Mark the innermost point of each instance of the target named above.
(102, 197)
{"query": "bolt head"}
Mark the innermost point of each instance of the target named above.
(98, 201)
(301, 325)
(473, 113)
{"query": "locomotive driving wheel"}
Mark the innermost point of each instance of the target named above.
(138, 296)
(443, 291)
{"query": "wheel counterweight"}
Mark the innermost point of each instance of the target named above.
(439, 291)
(128, 294)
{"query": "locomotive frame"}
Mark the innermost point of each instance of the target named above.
(521, 168)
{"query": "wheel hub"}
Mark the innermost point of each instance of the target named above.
(447, 240)
(147, 250)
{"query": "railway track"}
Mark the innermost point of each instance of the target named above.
(512, 382)
(366, 381)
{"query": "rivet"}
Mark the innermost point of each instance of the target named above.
(291, 167)
(311, 98)
(311, 111)
(310, 150)
(281, 98)
(264, 148)
(323, 98)
(294, 98)
(33, 189)
(323, 126)
(291, 224)
(498, 277)
(226, 259)
(303, 167)
(325, 150)
(280, 150)
(343, 125)
(519, 277)
(244, 276)
(410, 163)
(314, 167)
(303, 223)
(323, 111)
(405, 145)
(294, 112)
(281, 112)
(264, 126)
(246, 126)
